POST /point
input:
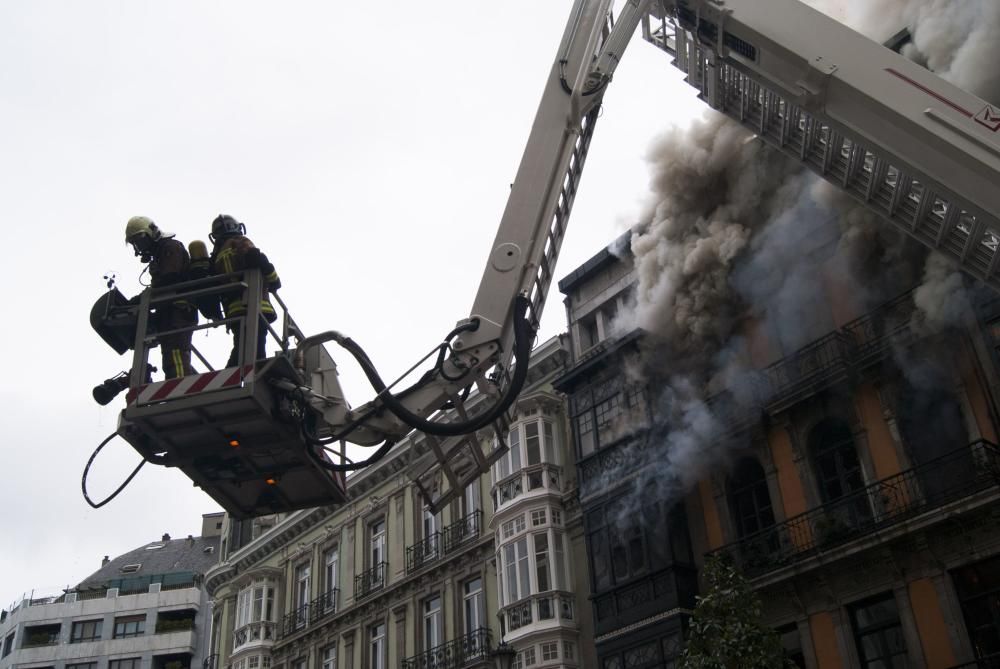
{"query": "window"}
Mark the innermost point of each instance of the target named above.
(515, 570)
(255, 603)
(838, 472)
(532, 443)
(529, 656)
(130, 568)
(513, 526)
(376, 636)
(473, 609)
(303, 577)
(749, 498)
(433, 623)
(331, 573)
(978, 587)
(538, 517)
(470, 499)
(129, 626)
(430, 533)
(556, 517)
(8, 644)
(82, 665)
(588, 332)
(878, 634)
(329, 657)
(605, 412)
(791, 643)
(299, 663)
(128, 663)
(569, 650)
(376, 532)
(550, 651)
(542, 562)
(85, 630)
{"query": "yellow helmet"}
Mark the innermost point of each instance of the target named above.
(142, 233)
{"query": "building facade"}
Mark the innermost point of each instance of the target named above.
(858, 492)
(146, 609)
(383, 582)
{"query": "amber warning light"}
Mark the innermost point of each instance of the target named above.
(234, 442)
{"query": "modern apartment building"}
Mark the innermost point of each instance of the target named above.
(383, 582)
(146, 609)
(858, 492)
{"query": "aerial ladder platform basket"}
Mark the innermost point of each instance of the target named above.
(229, 430)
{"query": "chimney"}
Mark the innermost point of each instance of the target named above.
(190, 540)
(105, 560)
(166, 537)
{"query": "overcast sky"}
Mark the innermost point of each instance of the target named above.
(369, 149)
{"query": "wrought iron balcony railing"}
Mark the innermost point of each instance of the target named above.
(464, 529)
(371, 580)
(932, 484)
(448, 539)
(309, 614)
(423, 552)
(473, 647)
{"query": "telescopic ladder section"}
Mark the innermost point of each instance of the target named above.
(910, 147)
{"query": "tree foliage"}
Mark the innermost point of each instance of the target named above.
(726, 631)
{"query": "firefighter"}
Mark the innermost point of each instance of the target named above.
(233, 251)
(168, 264)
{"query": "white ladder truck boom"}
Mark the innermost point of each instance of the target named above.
(919, 152)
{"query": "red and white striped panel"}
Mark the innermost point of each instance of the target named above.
(189, 385)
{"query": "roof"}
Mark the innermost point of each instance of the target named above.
(161, 557)
(607, 256)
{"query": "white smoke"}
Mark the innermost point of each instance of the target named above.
(738, 237)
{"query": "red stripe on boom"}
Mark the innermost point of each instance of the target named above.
(165, 389)
(200, 384)
(934, 94)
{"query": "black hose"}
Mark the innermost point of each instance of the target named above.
(351, 466)
(522, 350)
(86, 470)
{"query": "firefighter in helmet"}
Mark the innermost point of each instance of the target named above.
(233, 251)
(168, 264)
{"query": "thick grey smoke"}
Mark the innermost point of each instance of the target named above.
(740, 240)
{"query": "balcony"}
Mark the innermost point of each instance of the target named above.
(875, 508)
(644, 596)
(309, 614)
(41, 635)
(447, 540)
(534, 477)
(549, 606)
(370, 581)
(259, 632)
(423, 552)
(812, 368)
(473, 648)
(465, 529)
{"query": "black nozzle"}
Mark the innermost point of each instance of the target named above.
(109, 388)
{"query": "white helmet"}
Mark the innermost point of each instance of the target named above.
(142, 234)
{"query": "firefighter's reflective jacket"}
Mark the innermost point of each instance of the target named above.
(234, 254)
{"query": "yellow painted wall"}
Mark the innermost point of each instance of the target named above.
(824, 639)
(880, 443)
(713, 527)
(793, 495)
(927, 612)
(977, 397)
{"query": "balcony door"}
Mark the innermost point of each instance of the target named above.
(838, 476)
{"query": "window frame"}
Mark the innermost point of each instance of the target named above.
(139, 620)
(876, 630)
(97, 633)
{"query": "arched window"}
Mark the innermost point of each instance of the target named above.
(749, 498)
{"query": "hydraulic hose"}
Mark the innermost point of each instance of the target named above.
(351, 466)
(86, 470)
(522, 350)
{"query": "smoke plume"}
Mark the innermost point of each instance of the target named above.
(740, 242)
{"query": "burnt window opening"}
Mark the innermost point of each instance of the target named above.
(978, 588)
(749, 498)
(838, 471)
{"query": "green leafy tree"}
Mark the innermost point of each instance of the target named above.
(726, 631)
